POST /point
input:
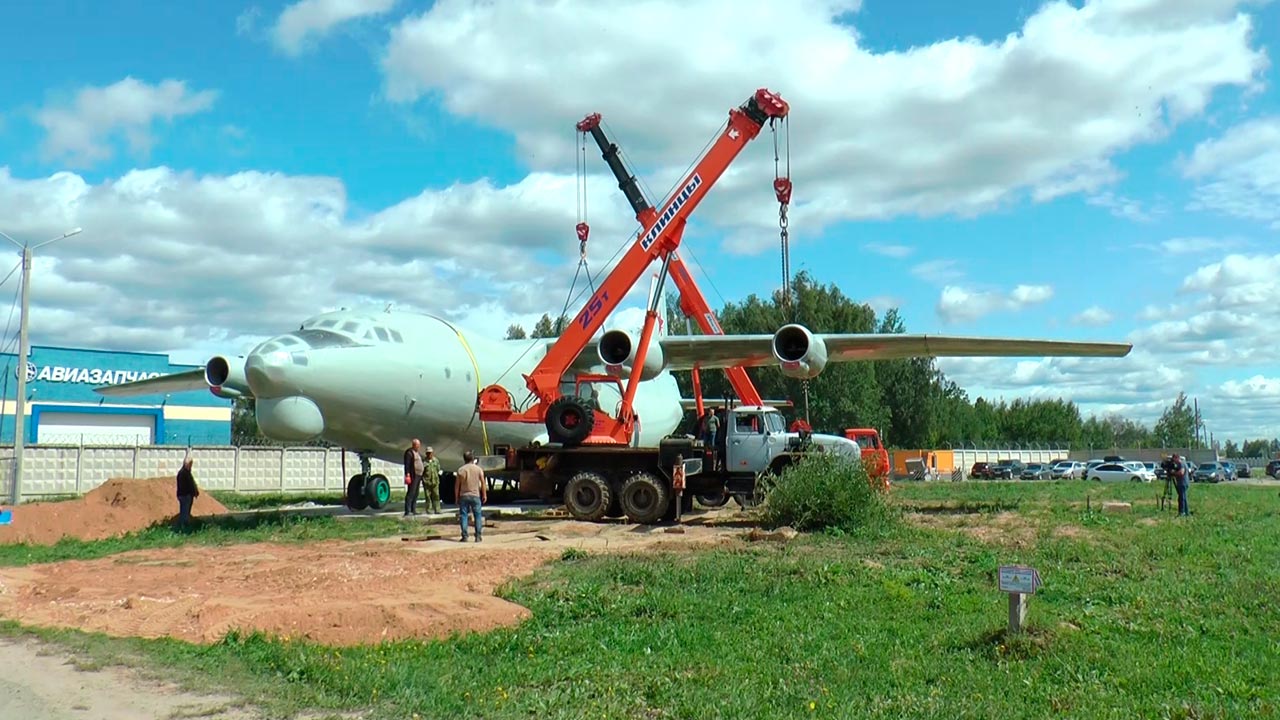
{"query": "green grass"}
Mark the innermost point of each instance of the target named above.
(1140, 615)
(256, 501)
(262, 527)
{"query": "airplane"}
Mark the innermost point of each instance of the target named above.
(371, 380)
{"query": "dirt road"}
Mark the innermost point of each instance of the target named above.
(44, 683)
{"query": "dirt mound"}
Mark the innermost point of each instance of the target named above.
(116, 507)
(334, 592)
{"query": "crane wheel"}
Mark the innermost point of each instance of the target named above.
(644, 498)
(569, 420)
(713, 500)
(587, 496)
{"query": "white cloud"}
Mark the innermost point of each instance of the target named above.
(1241, 409)
(1123, 207)
(958, 304)
(172, 259)
(79, 131)
(1093, 316)
(888, 250)
(247, 21)
(1240, 171)
(1196, 245)
(317, 18)
(959, 126)
(938, 270)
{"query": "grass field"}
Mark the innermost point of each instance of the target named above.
(1141, 615)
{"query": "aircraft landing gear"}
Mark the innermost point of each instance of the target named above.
(367, 489)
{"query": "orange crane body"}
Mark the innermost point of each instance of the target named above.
(659, 239)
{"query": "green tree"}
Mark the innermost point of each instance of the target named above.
(546, 328)
(1255, 448)
(1230, 449)
(515, 332)
(244, 423)
(1177, 425)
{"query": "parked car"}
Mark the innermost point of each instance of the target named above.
(1228, 470)
(981, 470)
(1209, 472)
(1242, 470)
(1068, 470)
(1273, 469)
(1146, 473)
(1037, 471)
(1092, 464)
(1116, 472)
(1008, 469)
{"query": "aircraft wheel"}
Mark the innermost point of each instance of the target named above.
(587, 496)
(569, 420)
(644, 498)
(378, 491)
(356, 499)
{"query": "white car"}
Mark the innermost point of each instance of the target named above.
(1119, 472)
(1069, 470)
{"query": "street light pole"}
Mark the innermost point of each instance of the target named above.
(20, 407)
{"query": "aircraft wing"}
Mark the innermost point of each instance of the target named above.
(721, 351)
(174, 382)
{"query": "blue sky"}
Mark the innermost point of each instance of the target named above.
(238, 166)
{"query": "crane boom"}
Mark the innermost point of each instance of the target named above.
(569, 419)
(692, 302)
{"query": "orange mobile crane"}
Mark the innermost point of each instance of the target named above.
(589, 460)
(692, 302)
(571, 420)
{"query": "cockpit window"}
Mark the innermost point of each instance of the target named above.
(351, 327)
(395, 335)
(316, 338)
(328, 324)
(382, 334)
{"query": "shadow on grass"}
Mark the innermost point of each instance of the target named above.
(963, 507)
(999, 645)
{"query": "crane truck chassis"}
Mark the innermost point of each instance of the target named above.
(609, 481)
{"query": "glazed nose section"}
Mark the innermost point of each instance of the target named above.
(269, 373)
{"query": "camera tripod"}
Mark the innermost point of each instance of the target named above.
(1170, 497)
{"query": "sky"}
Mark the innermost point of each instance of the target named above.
(1105, 170)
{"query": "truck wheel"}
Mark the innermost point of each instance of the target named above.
(713, 501)
(587, 496)
(644, 498)
(569, 420)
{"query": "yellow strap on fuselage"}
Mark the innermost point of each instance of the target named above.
(484, 432)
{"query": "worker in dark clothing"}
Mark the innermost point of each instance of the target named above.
(187, 493)
(414, 465)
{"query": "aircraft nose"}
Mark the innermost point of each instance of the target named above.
(267, 373)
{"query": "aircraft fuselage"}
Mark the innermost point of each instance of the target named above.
(372, 381)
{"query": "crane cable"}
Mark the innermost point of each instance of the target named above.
(782, 189)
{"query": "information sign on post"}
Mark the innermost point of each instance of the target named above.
(1019, 581)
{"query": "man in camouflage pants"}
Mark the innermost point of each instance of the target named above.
(431, 480)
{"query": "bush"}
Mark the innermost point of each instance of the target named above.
(821, 492)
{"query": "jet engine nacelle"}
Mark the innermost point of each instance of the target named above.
(801, 354)
(226, 377)
(618, 353)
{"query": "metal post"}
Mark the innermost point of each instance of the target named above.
(20, 409)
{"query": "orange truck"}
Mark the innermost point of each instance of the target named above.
(874, 455)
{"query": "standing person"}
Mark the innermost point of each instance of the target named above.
(470, 492)
(431, 479)
(713, 426)
(1180, 481)
(413, 467)
(187, 492)
(677, 484)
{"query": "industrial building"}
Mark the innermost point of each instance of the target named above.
(63, 408)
